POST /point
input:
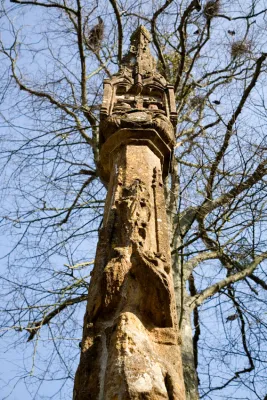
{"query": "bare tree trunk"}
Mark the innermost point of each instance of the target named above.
(188, 358)
(185, 325)
(181, 295)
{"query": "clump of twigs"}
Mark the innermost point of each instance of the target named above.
(93, 37)
(240, 48)
(197, 101)
(212, 8)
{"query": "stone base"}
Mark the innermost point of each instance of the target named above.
(142, 365)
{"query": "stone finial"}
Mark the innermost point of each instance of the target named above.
(139, 57)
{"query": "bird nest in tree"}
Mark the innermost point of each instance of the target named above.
(212, 8)
(240, 48)
(93, 37)
(197, 101)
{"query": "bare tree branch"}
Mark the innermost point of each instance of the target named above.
(120, 31)
(210, 291)
(36, 326)
(48, 5)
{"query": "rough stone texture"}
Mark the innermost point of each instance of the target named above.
(131, 342)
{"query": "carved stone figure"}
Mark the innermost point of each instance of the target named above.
(131, 342)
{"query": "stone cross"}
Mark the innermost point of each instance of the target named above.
(131, 342)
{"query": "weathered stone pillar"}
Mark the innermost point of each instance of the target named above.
(131, 343)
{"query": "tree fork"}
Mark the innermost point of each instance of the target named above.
(131, 340)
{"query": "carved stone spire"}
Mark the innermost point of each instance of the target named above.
(131, 342)
(139, 57)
